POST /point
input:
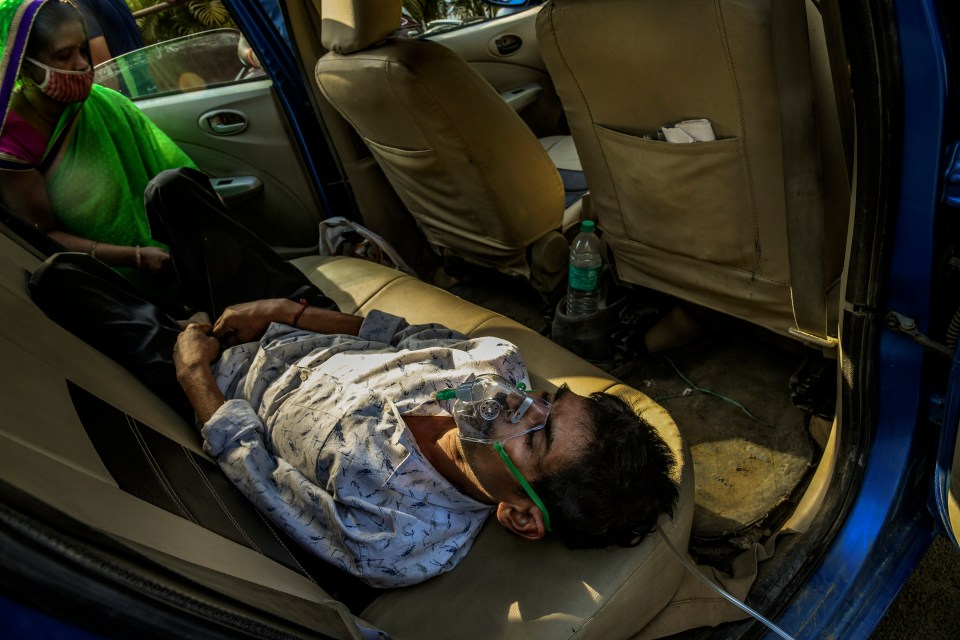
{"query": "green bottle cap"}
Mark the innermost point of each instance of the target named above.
(587, 226)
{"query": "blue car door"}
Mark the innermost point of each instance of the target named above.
(947, 473)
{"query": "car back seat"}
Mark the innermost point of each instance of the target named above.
(65, 403)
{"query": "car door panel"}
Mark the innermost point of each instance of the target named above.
(208, 92)
(477, 44)
(480, 44)
(284, 214)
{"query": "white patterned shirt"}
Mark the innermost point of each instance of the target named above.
(311, 433)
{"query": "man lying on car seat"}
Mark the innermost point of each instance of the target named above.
(331, 423)
(382, 446)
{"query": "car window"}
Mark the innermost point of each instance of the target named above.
(190, 63)
(421, 19)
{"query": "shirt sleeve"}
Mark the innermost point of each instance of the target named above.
(386, 328)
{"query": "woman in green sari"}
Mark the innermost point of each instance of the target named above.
(75, 157)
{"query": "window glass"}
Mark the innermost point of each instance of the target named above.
(198, 61)
(423, 19)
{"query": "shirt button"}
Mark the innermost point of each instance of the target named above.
(303, 376)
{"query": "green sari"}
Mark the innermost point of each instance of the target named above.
(101, 156)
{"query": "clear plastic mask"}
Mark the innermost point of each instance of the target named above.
(489, 409)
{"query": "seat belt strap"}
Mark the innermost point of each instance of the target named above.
(802, 169)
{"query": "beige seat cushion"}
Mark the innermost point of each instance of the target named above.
(508, 588)
(563, 152)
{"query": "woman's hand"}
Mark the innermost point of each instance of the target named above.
(195, 348)
(153, 259)
(247, 322)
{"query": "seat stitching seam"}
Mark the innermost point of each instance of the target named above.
(757, 248)
(157, 470)
(606, 601)
(586, 104)
(280, 542)
(216, 496)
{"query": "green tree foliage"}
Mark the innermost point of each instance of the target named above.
(423, 11)
(192, 16)
(470, 9)
(182, 19)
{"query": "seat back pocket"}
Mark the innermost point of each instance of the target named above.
(688, 199)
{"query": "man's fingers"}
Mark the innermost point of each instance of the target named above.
(202, 327)
(222, 327)
(226, 334)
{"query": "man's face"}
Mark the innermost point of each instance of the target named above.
(562, 439)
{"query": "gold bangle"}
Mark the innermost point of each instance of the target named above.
(138, 258)
(93, 249)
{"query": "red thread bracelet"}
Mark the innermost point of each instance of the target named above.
(296, 317)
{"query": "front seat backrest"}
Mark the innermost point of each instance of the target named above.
(472, 174)
(704, 221)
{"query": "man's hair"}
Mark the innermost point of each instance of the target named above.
(615, 491)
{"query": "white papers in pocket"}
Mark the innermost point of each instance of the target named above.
(699, 130)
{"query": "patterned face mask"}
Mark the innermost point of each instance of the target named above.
(65, 86)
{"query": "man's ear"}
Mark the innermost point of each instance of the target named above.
(523, 518)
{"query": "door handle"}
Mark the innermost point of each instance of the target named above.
(237, 189)
(223, 122)
(507, 44)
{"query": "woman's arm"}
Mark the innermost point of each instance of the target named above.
(25, 194)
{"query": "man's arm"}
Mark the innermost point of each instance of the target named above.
(247, 322)
(195, 350)
(99, 51)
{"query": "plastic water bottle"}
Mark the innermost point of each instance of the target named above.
(583, 280)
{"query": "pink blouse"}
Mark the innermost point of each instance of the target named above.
(20, 143)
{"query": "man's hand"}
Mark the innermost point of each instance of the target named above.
(195, 348)
(248, 322)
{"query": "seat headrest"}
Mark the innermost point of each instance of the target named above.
(352, 25)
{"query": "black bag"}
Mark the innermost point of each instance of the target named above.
(105, 310)
(217, 261)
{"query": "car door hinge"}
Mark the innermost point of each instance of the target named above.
(908, 326)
